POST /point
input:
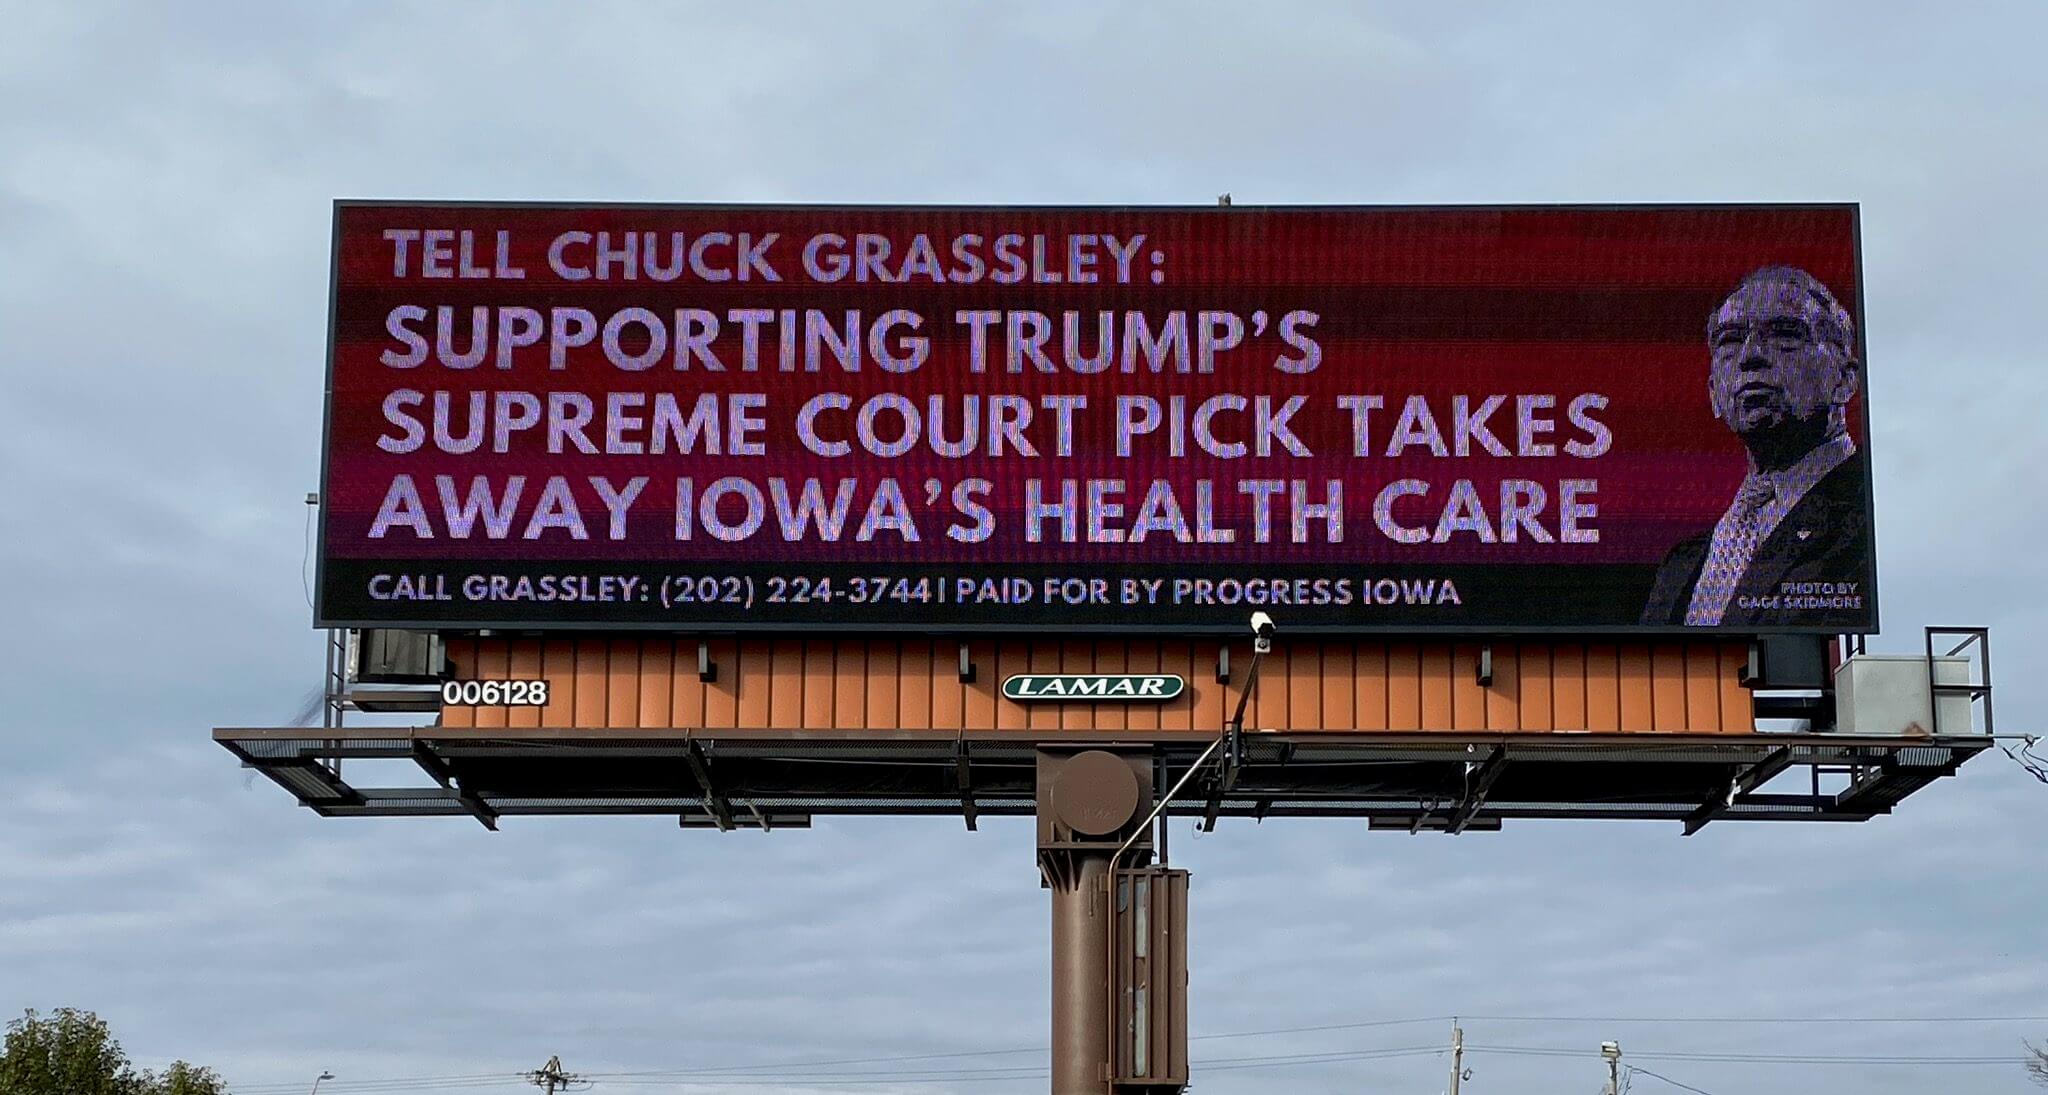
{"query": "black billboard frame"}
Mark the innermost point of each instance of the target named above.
(322, 620)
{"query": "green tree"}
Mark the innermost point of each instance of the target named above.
(72, 1052)
(185, 1079)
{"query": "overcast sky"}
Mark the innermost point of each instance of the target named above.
(165, 179)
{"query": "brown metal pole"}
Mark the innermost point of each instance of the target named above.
(1080, 975)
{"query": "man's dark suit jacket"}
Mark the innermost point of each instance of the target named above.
(1825, 538)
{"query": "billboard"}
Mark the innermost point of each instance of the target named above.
(936, 419)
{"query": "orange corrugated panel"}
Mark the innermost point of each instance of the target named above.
(1141, 655)
(1013, 656)
(657, 677)
(1635, 683)
(1042, 656)
(1078, 656)
(1404, 686)
(1663, 686)
(1211, 703)
(1340, 686)
(1111, 656)
(1603, 687)
(1369, 679)
(558, 665)
(1504, 698)
(1667, 687)
(592, 695)
(1437, 689)
(1305, 687)
(850, 685)
(821, 683)
(721, 696)
(622, 683)
(1737, 704)
(1468, 696)
(686, 690)
(882, 684)
(978, 700)
(1568, 686)
(523, 665)
(752, 682)
(916, 672)
(1184, 658)
(462, 665)
(493, 663)
(1534, 668)
(786, 684)
(1702, 694)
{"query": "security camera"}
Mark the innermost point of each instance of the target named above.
(1263, 628)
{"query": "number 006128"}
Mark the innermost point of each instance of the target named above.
(494, 693)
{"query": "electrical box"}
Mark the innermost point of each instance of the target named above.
(1787, 661)
(383, 656)
(1893, 694)
(1149, 956)
(1093, 798)
(395, 672)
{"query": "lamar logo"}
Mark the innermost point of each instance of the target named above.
(1093, 687)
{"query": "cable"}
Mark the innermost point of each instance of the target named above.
(2035, 765)
(306, 559)
(1754, 1058)
(401, 1083)
(1331, 1026)
(1024, 1072)
(723, 1069)
(1773, 1020)
(1632, 1070)
(794, 1069)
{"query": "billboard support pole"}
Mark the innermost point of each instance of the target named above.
(1087, 801)
(1080, 978)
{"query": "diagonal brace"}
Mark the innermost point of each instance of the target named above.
(1745, 781)
(1483, 780)
(963, 779)
(431, 762)
(715, 802)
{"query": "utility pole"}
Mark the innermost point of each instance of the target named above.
(1611, 1052)
(551, 1076)
(1457, 1056)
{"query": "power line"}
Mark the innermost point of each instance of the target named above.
(1757, 1058)
(402, 1083)
(1019, 1072)
(2035, 764)
(1633, 1071)
(1766, 1019)
(793, 1068)
(776, 1065)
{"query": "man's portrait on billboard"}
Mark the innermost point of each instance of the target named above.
(1793, 548)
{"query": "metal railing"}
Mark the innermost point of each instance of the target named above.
(1978, 688)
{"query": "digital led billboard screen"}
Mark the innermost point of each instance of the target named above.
(1096, 419)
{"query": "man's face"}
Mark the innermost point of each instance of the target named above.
(1778, 366)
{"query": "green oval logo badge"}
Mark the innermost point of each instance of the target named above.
(1094, 687)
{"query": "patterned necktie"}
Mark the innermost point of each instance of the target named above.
(1728, 556)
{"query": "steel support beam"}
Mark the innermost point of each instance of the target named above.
(714, 801)
(963, 780)
(1080, 974)
(1745, 781)
(1483, 780)
(437, 769)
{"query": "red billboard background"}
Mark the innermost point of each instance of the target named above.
(1588, 324)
